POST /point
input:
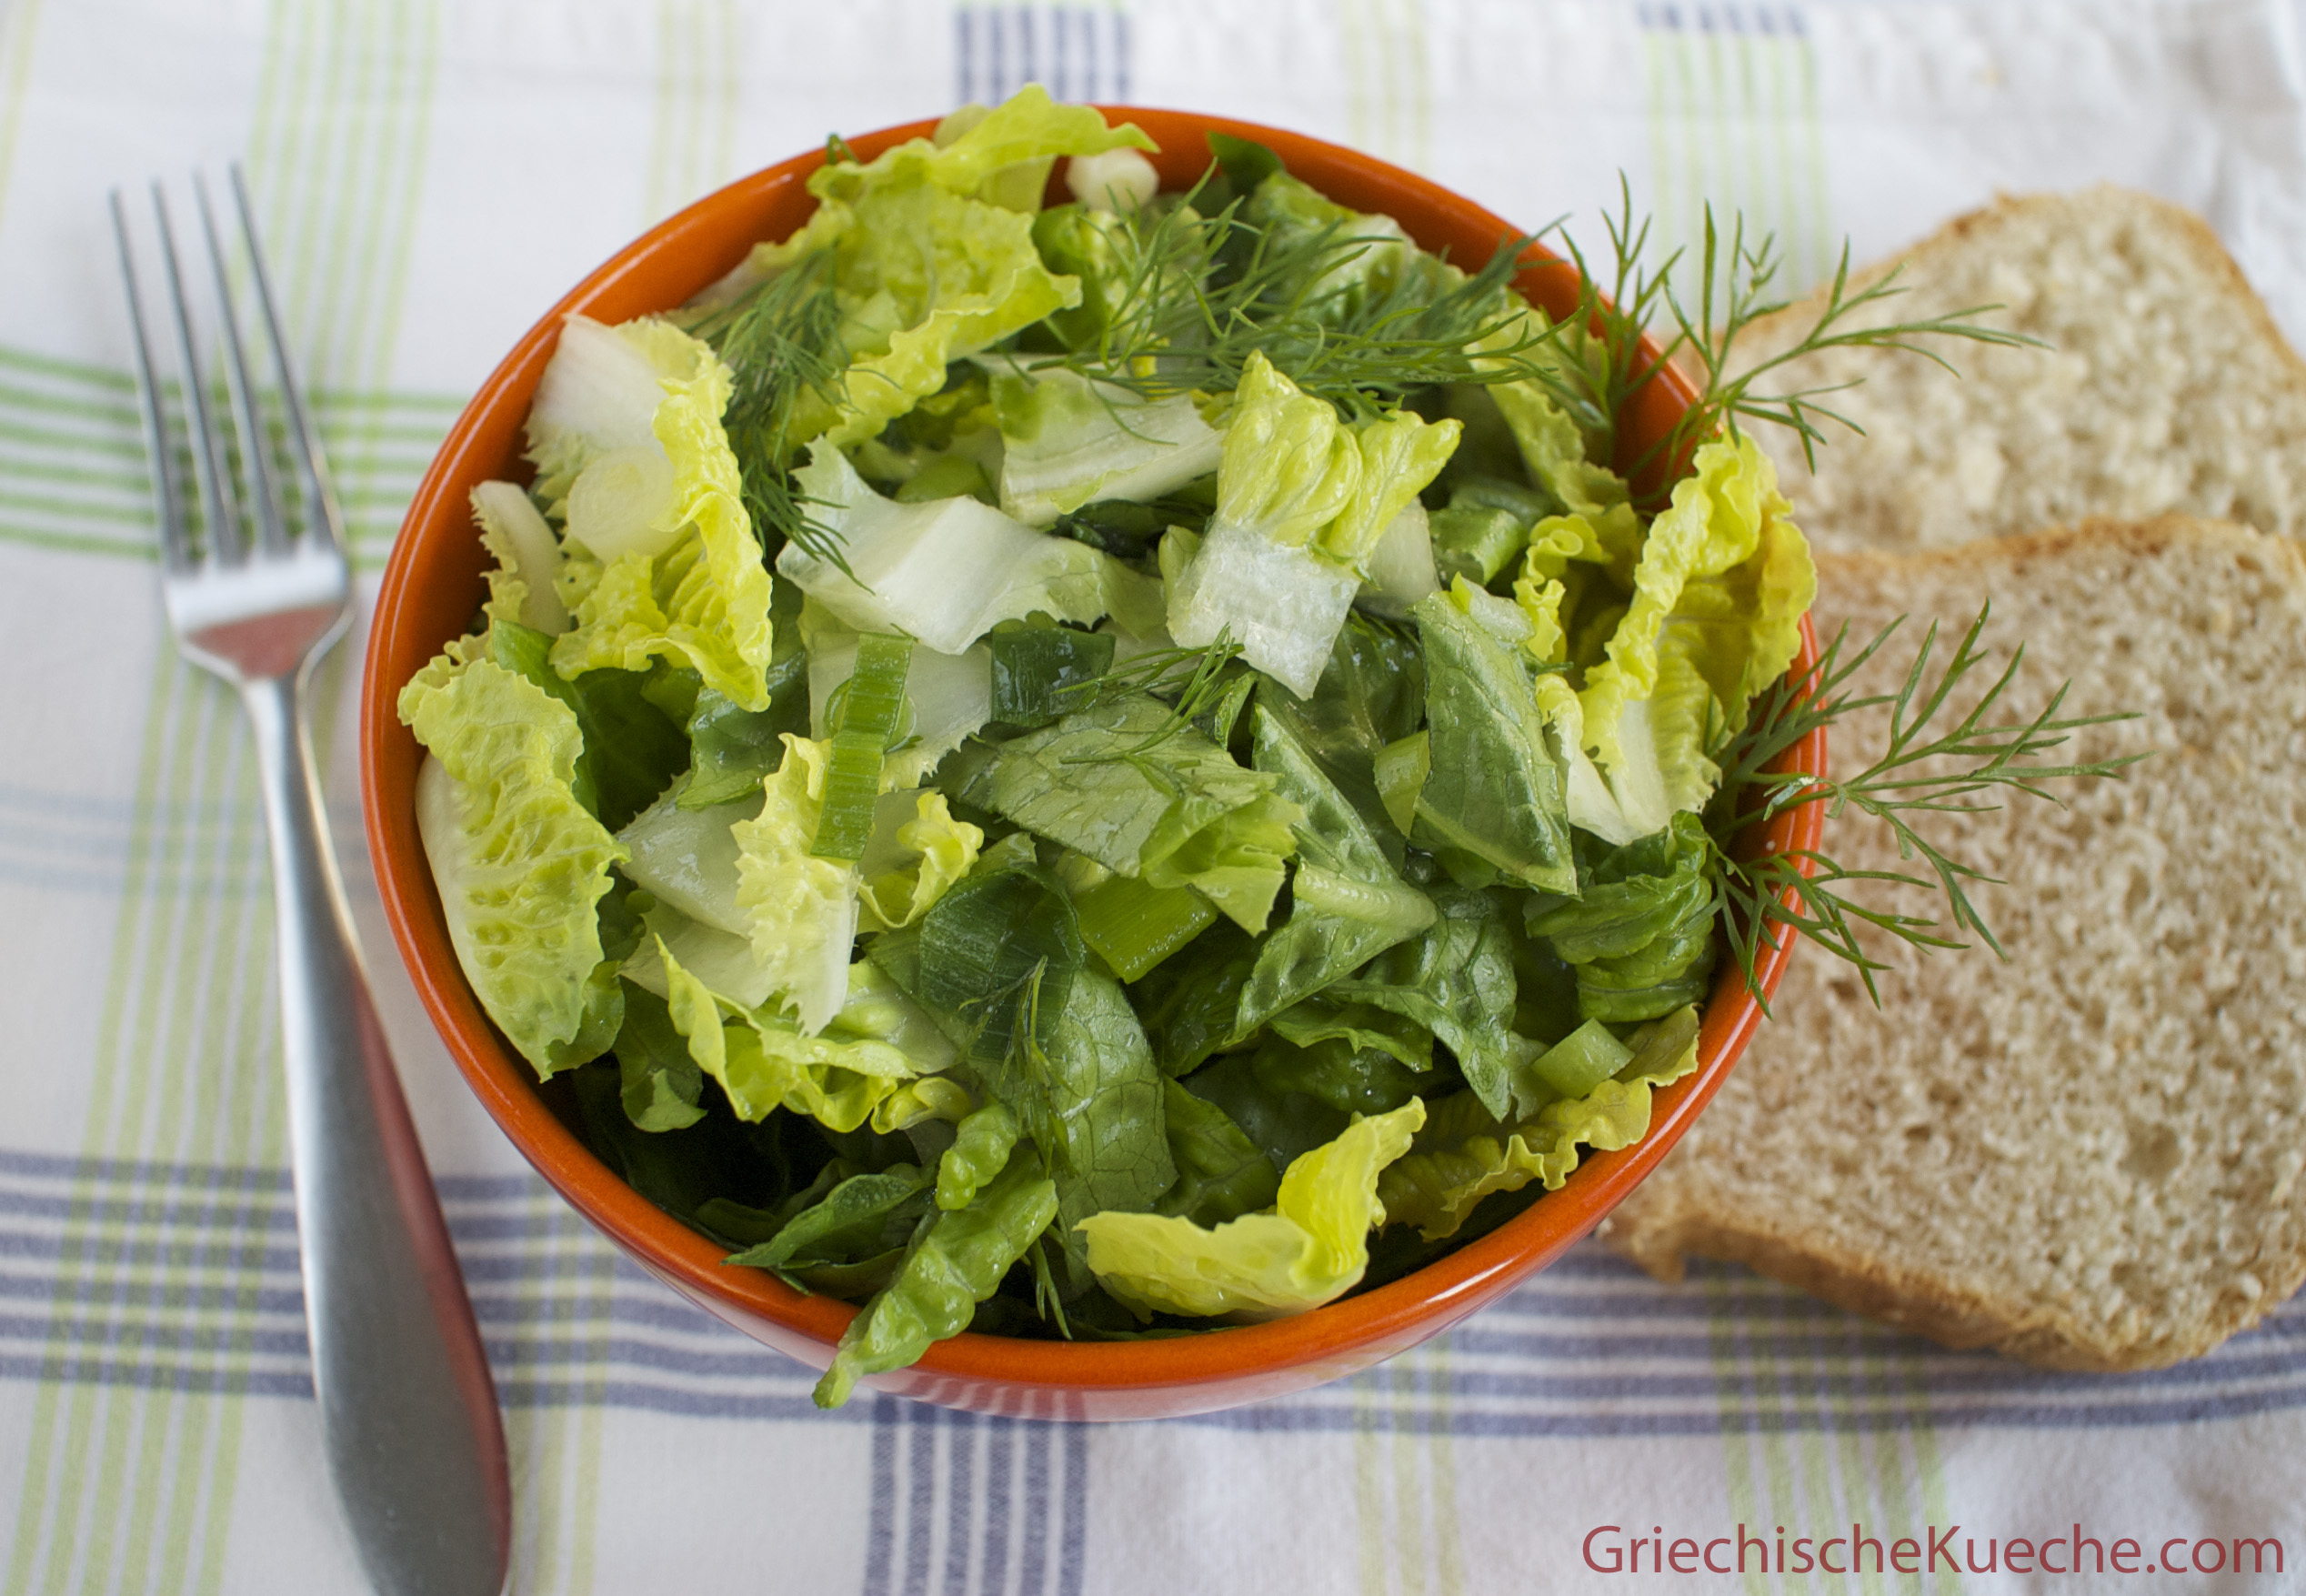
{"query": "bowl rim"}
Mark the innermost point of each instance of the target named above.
(1386, 1318)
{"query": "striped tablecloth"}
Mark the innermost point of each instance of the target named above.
(431, 174)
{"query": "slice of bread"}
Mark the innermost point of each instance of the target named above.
(2091, 1156)
(2166, 388)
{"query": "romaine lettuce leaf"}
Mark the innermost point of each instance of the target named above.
(928, 270)
(800, 911)
(1302, 499)
(631, 751)
(1348, 905)
(764, 1062)
(701, 595)
(1493, 789)
(916, 853)
(982, 1142)
(1179, 812)
(951, 1265)
(1066, 441)
(523, 585)
(1457, 979)
(519, 862)
(1311, 1250)
(1726, 515)
(1554, 449)
(1465, 1153)
(1374, 267)
(1221, 1174)
(598, 394)
(942, 571)
(660, 1085)
(1640, 933)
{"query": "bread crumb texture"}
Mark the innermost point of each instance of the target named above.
(2166, 386)
(2089, 1156)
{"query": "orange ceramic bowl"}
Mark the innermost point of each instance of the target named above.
(432, 586)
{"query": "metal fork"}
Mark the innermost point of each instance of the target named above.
(408, 1413)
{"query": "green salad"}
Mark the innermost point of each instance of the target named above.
(1104, 770)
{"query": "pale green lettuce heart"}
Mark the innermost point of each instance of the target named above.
(1311, 1248)
(520, 864)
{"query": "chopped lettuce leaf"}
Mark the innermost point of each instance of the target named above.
(1455, 979)
(699, 596)
(982, 1143)
(951, 1265)
(520, 865)
(1719, 589)
(1066, 441)
(917, 851)
(1302, 500)
(1179, 812)
(523, 585)
(1554, 450)
(1401, 568)
(1492, 789)
(688, 859)
(598, 394)
(1641, 934)
(942, 571)
(800, 911)
(1348, 905)
(1465, 1153)
(1221, 1174)
(764, 1062)
(1311, 1250)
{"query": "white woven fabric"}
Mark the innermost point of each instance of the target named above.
(431, 176)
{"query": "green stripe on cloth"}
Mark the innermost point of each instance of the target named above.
(1804, 1392)
(1408, 1538)
(72, 457)
(692, 142)
(1734, 124)
(19, 31)
(1388, 88)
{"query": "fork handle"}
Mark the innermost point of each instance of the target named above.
(408, 1412)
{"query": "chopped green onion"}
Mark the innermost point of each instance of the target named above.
(1581, 1060)
(1133, 927)
(865, 722)
(1038, 672)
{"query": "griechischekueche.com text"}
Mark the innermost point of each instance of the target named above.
(1611, 1548)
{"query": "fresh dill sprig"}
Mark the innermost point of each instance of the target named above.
(1736, 287)
(1199, 295)
(781, 339)
(1926, 768)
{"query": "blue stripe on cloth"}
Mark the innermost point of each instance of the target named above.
(1769, 21)
(1073, 1548)
(960, 1493)
(1000, 1449)
(1032, 1564)
(920, 1499)
(880, 1529)
(1591, 1348)
(1076, 53)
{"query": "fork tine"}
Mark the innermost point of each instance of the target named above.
(319, 492)
(224, 542)
(167, 502)
(263, 483)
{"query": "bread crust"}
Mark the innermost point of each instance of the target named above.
(1703, 1201)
